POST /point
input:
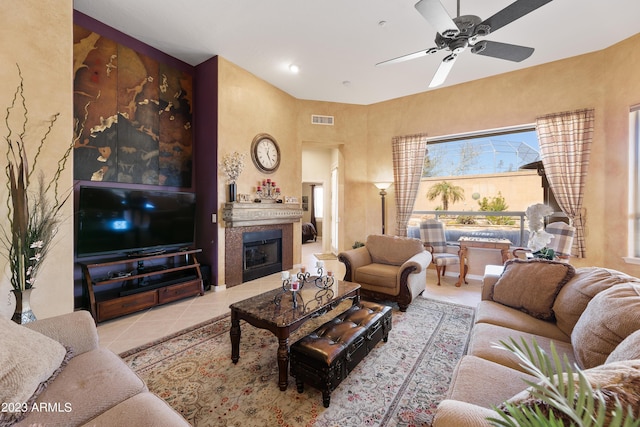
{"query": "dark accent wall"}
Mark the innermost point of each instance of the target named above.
(206, 163)
(204, 173)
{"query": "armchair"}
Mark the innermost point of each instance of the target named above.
(434, 239)
(388, 268)
(560, 243)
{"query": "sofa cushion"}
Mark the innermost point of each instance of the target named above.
(28, 362)
(392, 250)
(143, 409)
(497, 314)
(472, 371)
(532, 285)
(628, 349)
(576, 294)
(485, 337)
(454, 413)
(610, 317)
(91, 383)
(618, 381)
(380, 275)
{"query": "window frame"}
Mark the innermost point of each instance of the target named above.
(633, 236)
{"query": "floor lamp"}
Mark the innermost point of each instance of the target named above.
(382, 186)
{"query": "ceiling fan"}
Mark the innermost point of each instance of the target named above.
(457, 34)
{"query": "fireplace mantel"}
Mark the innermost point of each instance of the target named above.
(248, 214)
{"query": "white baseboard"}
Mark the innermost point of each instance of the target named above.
(219, 288)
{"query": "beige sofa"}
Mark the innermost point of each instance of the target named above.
(592, 315)
(76, 382)
(388, 268)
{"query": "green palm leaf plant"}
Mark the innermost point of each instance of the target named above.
(33, 218)
(557, 402)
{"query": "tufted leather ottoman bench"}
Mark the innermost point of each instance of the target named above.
(325, 357)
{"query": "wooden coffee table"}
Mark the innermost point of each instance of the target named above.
(275, 311)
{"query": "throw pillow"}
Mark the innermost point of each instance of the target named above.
(532, 285)
(620, 380)
(28, 360)
(611, 316)
(628, 349)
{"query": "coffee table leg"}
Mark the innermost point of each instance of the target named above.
(283, 363)
(234, 333)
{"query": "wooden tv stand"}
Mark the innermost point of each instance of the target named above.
(167, 277)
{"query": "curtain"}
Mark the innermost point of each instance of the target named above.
(408, 158)
(565, 146)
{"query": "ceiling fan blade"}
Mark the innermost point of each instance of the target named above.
(514, 11)
(510, 52)
(414, 55)
(438, 17)
(443, 70)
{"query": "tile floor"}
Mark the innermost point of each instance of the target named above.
(140, 328)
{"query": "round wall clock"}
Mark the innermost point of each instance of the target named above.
(265, 153)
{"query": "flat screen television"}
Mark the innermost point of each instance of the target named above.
(131, 221)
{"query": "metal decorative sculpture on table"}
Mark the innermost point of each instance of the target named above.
(294, 284)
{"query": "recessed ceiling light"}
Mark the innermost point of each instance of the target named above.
(294, 68)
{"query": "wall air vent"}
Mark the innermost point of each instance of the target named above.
(321, 120)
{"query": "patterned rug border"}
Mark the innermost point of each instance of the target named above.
(166, 338)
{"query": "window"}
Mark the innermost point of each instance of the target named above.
(318, 201)
(634, 185)
(486, 153)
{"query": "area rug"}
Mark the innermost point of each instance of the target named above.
(325, 257)
(399, 383)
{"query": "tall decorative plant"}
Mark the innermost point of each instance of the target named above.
(33, 204)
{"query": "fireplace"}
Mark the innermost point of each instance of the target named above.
(261, 253)
(243, 222)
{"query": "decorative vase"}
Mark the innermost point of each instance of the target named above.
(23, 313)
(232, 192)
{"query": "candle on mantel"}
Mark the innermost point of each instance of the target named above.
(268, 179)
(277, 189)
(303, 269)
(264, 182)
(259, 188)
(329, 273)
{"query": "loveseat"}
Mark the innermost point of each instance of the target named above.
(388, 268)
(53, 373)
(591, 314)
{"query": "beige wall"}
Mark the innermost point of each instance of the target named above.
(363, 134)
(248, 106)
(600, 80)
(38, 36)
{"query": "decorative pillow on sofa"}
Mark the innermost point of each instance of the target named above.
(532, 285)
(620, 380)
(28, 361)
(610, 317)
